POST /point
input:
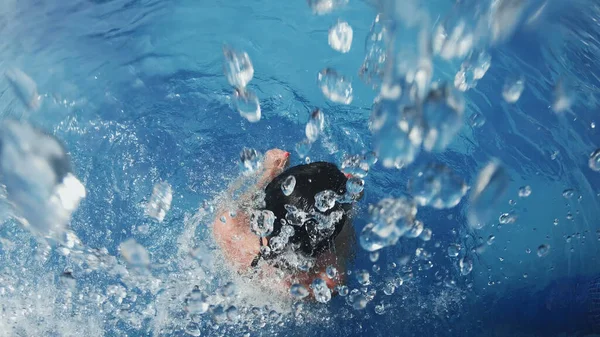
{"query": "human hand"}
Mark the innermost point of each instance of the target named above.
(275, 162)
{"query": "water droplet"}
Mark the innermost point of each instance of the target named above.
(342, 290)
(453, 250)
(555, 222)
(593, 125)
(247, 105)
(24, 87)
(134, 253)
(331, 272)
(363, 277)
(238, 68)
(525, 275)
(466, 265)
(491, 239)
(321, 7)
(513, 88)
(487, 193)
(524, 191)
(568, 193)
(37, 174)
(334, 86)
(594, 161)
(320, 291)
(442, 111)
(250, 160)
(477, 120)
(288, 185)
(372, 69)
(438, 186)
(340, 37)
(315, 125)
(528, 251)
(472, 70)
(325, 200)
(261, 222)
(160, 201)
(543, 250)
(298, 291)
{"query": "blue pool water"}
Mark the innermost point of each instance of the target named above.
(135, 91)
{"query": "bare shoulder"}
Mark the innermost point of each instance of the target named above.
(233, 235)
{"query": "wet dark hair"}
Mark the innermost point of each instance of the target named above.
(310, 180)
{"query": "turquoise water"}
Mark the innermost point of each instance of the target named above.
(136, 92)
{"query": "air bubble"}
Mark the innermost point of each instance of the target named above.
(261, 222)
(160, 201)
(524, 191)
(340, 37)
(363, 277)
(472, 70)
(477, 120)
(355, 185)
(250, 161)
(331, 272)
(288, 185)
(594, 161)
(342, 290)
(335, 87)
(453, 250)
(320, 291)
(247, 105)
(487, 193)
(543, 250)
(315, 125)
(466, 265)
(321, 7)
(238, 68)
(374, 256)
(298, 291)
(513, 88)
(325, 200)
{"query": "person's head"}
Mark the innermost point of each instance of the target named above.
(314, 229)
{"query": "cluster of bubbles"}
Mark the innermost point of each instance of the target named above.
(390, 219)
(239, 71)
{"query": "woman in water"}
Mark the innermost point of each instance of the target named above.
(306, 238)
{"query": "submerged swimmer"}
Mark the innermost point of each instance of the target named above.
(305, 240)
